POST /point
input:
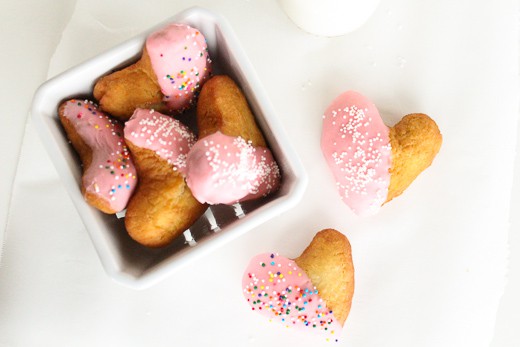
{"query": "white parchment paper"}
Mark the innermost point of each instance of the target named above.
(430, 267)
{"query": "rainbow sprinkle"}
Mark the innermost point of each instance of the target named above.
(278, 288)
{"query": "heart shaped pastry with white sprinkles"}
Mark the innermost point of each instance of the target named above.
(372, 163)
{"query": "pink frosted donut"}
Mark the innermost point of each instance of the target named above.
(166, 136)
(356, 146)
(110, 178)
(279, 289)
(225, 169)
(180, 60)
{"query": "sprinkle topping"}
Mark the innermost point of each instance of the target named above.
(166, 136)
(356, 145)
(225, 169)
(278, 288)
(179, 57)
(111, 174)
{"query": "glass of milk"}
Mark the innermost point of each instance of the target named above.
(329, 17)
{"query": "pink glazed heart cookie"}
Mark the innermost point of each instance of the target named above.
(311, 292)
(109, 175)
(162, 207)
(173, 67)
(371, 162)
(231, 161)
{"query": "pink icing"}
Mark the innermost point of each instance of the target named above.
(164, 135)
(180, 60)
(224, 170)
(356, 146)
(279, 289)
(111, 175)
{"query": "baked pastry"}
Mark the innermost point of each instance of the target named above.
(230, 162)
(162, 206)
(313, 291)
(372, 163)
(223, 107)
(173, 66)
(109, 176)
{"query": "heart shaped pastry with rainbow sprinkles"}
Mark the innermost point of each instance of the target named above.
(372, 163)
(311, 292)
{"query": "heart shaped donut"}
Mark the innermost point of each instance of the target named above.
(173, 66)
(311, 292)
(162, 206)
(230, 162)
(109, 175)
(372, 163)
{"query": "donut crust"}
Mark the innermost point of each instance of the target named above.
(223, 107)
(162, 206)
(415, 142)
(328, 263)
(135, 86)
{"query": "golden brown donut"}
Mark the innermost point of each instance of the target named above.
(162, 207)
(173, 66)
(230, 163)
(313, 291)
(372, 163)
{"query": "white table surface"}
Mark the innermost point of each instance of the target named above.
(31, 276)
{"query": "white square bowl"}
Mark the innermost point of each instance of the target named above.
(124, 260)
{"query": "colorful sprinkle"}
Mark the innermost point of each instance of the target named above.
(107, 147)
(166, 136)
(174, 67)
(284, 301)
